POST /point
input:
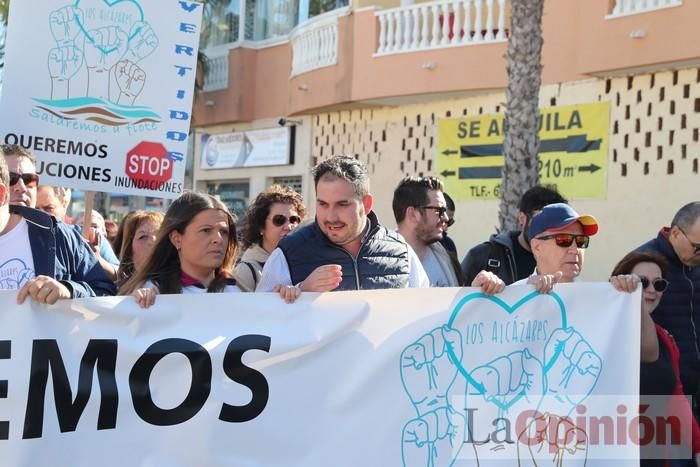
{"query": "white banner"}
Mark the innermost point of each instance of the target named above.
(253, 148)
(101, 91)
(382, 378)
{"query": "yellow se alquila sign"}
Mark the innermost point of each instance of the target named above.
(573, 152)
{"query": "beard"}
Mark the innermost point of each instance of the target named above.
(428, 235)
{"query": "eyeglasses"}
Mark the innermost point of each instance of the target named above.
(28, 179)
(696, 246)
(660, 284)
(565, 240)
(439, 210)
(279, 220)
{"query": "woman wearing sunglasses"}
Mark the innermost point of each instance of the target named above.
(274, 213)
(659, 371)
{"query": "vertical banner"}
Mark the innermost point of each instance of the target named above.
(100, 91)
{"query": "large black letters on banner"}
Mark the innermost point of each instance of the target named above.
(252, 379)
(100, 353)
(139, 382)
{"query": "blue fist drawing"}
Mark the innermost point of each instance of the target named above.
(448, 397)
(518, 374)
(574, 370)
(427, 372)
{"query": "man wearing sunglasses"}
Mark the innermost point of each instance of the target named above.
(508, 254)
(23, 177)
(42, 258)
(558, 238)
(679, 309)
(420, 211)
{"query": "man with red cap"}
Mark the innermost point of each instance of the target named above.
(559, 237)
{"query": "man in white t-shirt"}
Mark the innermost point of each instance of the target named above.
(42, 258)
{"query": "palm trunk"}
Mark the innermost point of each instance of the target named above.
(521, 140)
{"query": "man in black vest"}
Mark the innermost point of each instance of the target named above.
(345, 248)
(679, 310)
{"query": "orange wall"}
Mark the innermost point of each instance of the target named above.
(605, 45)
(578, 42)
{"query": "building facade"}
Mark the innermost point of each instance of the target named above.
(385, 81)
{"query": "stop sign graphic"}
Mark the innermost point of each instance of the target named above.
(149, 161)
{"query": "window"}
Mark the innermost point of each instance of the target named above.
(292, 182)
(220, 23)
(235, 195)
(263, 19)
(266, 19)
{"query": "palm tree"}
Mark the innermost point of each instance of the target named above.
(521, 140)
(4, 7)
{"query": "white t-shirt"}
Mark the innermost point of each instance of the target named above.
(434, 270)
(16, 259)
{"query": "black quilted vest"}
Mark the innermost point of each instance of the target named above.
(382, 262)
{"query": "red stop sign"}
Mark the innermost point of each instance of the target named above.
(149, 162)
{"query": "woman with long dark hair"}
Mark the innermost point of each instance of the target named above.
(193, 253)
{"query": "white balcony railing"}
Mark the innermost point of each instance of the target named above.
(630, 7)
(315, 43)
(216, 77)
(441, 24)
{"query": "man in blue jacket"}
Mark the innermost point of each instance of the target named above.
(679, 310)
(44, 259)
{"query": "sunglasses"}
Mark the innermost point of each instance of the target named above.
(660, 284)
(279, 220)
(565, 240)
(28, 179)
(439, 210)
(696, 246)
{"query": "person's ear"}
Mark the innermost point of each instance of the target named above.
(176, 239)
(413, 213)
(536, 247)
(367, 202)
(4, 194)
(674, 232)
(522, 220)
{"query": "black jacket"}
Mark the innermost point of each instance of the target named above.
(679, 310)
(495, 256)
(60, 252)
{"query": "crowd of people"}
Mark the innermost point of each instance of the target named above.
(196, 247)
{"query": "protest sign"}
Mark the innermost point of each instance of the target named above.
(105, 96)
(410, 377)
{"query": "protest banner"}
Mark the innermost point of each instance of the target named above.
(378, 378)
(105, 96)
